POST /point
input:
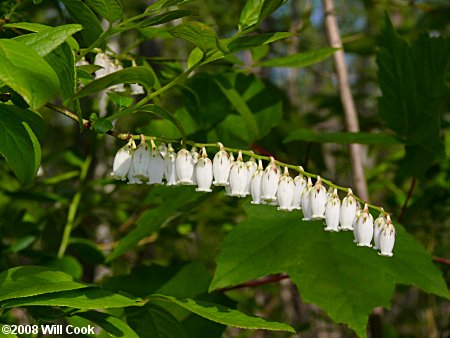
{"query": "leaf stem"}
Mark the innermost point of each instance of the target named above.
(73, 210)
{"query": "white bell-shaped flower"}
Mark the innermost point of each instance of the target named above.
(195, 157)
(156, 167)
(329, 193)
(170, 172)
(364, 227)
(203, 172)
(377, 227)
(238, 177)
(137, 89)
(228, 187)
(184, 164)
(332, 208)
(252, 167)
(141, 160)
(122, 162)
(355, 225)
(318, 200)
(387, 238)
(162, 148)
(82, 62)
(285, 192)
(103, 60)
(306, 201)
(221, 167)
(255, 184)
(120, 87)
(131, 178)
(300, 185)
(269, 184)
(348, 211)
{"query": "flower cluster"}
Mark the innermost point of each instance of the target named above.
(270, 185)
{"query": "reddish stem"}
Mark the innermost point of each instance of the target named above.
(257, 282)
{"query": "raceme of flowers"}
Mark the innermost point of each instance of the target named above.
(270, 185)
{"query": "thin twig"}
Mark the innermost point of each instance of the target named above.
(405, 205)
(351, 116)
(257, 282)
(441, 260)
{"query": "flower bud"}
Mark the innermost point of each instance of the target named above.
(387, 238)
(251, 167)
(141, 161)
(184, 165)
(348, 211)
(204, 173)
(377, 227)
(285, 192)
(122, 162)
(255, 184)
(318, 200)
(170, 172)
(269, 185)
(364, 227)
(332, 208)
(306, 201)
(238, 177)
(221, 167)
(156, 167)
(300, 185)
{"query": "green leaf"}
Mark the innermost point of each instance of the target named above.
(82, 14)
(87, 298)
(412, 80)
(18, 141)
(152, 220)
(160, 4)
(249, 41)
(255, 11)
(300, 59)
(197, 33)
(27, 73)
(341, 137)
(26, 281)
(195, 57)
(240, 105)
(121, 100)
(48, 39)
(158, 111)
(162, 18)
(141, 75)
(223, 315)
(113, 325)
(62, 60)
(111, 10)
(328, 268)
(152, 320)
(102, 125)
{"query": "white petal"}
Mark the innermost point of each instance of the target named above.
(285, 191)
(387, 238)
(252, 167)
(348, 212)
(300, 185)
(204, 174)
(306, 201)
(332, 208)
(221, 168)
(364, 228)
(269, 184)
(122, 163)
(141, 161)
(318, 200)
(184, 164)
(136, 89)
(170, 172)
(238, 178)
(377, 227)
(156, 167)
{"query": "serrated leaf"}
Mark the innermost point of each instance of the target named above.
(111, 10)
(299, 60)
(341, 137)
(82, 14)
(223, 315)
(197, 33)
(47, 40)
(249, 41)
(18, 142)
(328, 268)
(111, 324)
(26, 281)
(153, 320)
(27, 73)
(161, 112)
(87, 298)
(140, 74)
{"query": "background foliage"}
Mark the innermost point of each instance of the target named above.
(77, 247)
